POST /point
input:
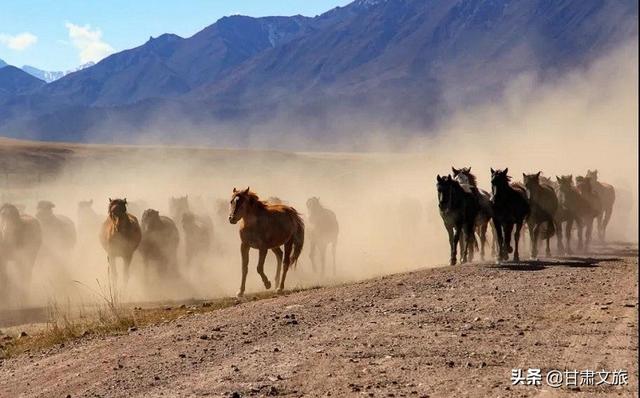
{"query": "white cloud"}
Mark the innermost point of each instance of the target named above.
(18, 42)
(89, 42)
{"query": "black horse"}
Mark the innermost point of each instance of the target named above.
(458, 208)
(510, 208)
(485, 211)
(543, 203)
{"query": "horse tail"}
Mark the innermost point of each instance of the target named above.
(298, 239)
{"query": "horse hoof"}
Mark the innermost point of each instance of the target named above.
(452, 261)
(279, 290)
(240, 294)
(516, 258)
(510, 249)
(267, 285)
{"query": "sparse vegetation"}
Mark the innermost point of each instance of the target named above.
(111, 317)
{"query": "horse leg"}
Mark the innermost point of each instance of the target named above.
(278, 252)
(533, 235)
(499, 238)
(508, 229)
(483, 239)
(580, 226)
(470, 240)
(287, 260)
(605, 222)
(454, 237)
(516, 238)
(113, 272)
(599, 221)
(333, 256)
(558, 225)
(323, 252)
(127, 270)
(588, 232)
(567, 235)
(451, 248)
(261, 257)
(312, 254)
(244, 251)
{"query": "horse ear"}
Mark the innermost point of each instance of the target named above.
(125, 201)
(524, 175)
(455, 171)
(506, 171)
(235, 190)
(110, 200)
(493, 171)
(248, 189)
(438, 178)
(538, 174)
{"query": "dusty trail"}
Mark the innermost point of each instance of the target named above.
(449, 331)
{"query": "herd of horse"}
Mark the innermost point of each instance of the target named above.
(158, 238)
(546, 206)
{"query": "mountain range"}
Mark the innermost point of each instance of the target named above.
(392, 63)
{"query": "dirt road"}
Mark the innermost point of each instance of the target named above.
(449, 331)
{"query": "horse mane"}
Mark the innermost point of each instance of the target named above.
(255, 199)
(470, 176)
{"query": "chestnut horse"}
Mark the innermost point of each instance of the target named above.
(266, 227)
(120, 237)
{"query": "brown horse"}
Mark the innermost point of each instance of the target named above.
(323, 231)
(510, 209)
(159, 246)
(120, 237)
(266, 227)
(607, 195)
(20, 241)
(58, 231)
(574, 208)
(594, 205)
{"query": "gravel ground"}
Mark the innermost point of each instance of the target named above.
(439, 332)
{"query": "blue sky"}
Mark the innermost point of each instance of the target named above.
(62, 34)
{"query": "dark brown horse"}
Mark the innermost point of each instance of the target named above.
(543, 204)
(485, 213)
(510, 208)
(459, 208)
(266, 227)
(20, 241)
(323, 231)
(607, 195)
(159, 246)
(120, 237)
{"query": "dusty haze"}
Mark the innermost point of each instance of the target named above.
(385, 202)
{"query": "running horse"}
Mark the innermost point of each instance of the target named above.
(459, 207)
(266, 227)
(510, 209)
(20, 241)
(485, 213)
(120, 236)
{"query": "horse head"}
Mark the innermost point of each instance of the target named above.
(117, 211)
(178, 206)
(499, 180)
(464, 176)
(150, 218)
(240, 201)
(446, 187)
(45, 208)
(592, 174)
(531, 181)
(313, 203)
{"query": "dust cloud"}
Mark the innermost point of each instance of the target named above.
(385, 202)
